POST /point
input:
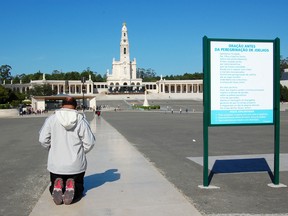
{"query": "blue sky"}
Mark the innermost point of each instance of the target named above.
(165, 35)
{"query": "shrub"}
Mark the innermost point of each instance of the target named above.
(15, 103)
(5, 106)
(146, 107)
(283, 93)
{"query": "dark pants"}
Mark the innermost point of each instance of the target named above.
(78, 179)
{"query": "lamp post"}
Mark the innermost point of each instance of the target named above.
(83, 80)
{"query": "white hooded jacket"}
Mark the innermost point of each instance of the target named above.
(68, 137)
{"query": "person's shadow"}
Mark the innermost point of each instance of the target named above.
(98, 179)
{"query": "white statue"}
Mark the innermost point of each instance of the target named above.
(146, 101)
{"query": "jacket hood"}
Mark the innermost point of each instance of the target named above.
(67, 117)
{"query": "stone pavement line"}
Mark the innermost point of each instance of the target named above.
(120, 181)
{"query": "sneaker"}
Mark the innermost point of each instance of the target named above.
(57, 191)
(69, 191)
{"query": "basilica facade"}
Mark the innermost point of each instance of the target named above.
(123, 74)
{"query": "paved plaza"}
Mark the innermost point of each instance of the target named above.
(244, 155)
(150, 163)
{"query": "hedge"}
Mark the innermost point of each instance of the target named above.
(146, 107)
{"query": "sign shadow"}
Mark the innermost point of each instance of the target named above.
(239, 166)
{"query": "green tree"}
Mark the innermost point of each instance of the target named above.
(36, 76)
(145, 73)
(86, 73)
(20, 96)
(57, 75)
(12, 96)
(94, 76)
(283, 93)
(16, 79)
(104, 78)
(140, 72)
(25, 78)
(72, 75)
(4, 95)
(99, 78)
(186, 76)
(5, 73)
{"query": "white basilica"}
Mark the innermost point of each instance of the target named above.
(122, 80)
(124, 71)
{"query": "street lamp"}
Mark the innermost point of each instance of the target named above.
(83, 80)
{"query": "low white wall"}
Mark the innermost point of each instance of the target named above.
(8, 112)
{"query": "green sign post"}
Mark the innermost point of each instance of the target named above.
(241, 87)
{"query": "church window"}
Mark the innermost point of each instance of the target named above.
(124, 50)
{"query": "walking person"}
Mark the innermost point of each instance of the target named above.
(68, 137)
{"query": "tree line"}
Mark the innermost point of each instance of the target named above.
(5, 74)
(7, 96)
(147, 75)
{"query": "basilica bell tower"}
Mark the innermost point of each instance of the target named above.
(124, 70)
(124, 45)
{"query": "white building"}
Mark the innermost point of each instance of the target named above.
(122, 80)
(124, 70)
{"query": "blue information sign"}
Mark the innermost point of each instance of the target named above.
(241, 82)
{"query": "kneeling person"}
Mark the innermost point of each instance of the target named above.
(68, 137)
